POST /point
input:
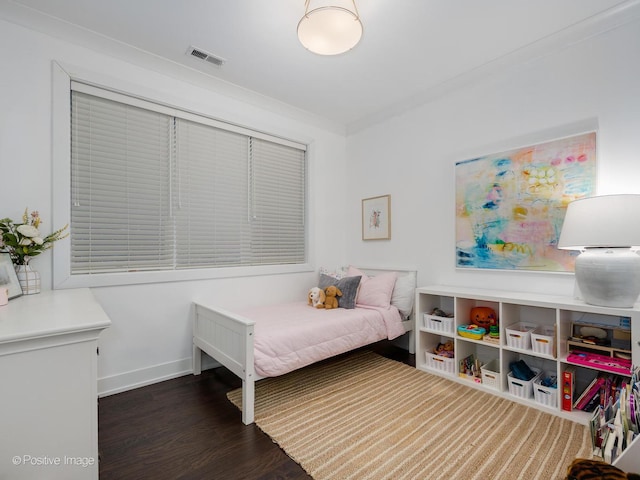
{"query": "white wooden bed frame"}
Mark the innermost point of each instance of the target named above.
(228, 339)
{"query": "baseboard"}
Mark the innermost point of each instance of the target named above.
(147, 376)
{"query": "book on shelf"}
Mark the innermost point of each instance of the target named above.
(568, 387)
(597, 426)
(604, 390)
(609, 390)
(593, 403)
(614, 446)
(588, 393)
(615, 421)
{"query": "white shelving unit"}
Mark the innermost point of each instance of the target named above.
(555, 314)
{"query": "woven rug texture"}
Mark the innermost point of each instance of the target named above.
(363, 416)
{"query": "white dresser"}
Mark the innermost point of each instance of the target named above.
(48, 385)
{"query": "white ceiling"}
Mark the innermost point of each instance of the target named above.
(411, 50)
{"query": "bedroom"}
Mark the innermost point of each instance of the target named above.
(586, 81)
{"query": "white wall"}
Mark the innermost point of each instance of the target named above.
(412, 156)
(150, 337)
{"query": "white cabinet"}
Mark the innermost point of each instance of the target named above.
(48, 393)
(545, 350)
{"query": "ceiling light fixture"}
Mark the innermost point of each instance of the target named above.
(330, 29)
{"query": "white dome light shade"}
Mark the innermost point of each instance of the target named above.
(330, 30)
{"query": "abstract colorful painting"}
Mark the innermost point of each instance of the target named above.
(510, 205)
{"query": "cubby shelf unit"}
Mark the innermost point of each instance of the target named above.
(554, 315)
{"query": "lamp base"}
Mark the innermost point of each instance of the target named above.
(609, 277)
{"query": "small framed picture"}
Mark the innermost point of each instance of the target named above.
(376, 218)
(8, 277)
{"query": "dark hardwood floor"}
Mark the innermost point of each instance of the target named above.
(186, 428)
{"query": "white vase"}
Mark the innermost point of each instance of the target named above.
(29, 279)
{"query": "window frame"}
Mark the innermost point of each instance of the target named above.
(61, 188)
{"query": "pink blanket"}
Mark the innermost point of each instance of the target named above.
(291, 336)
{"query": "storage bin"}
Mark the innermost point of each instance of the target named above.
(439, 324)
(519, 335)
(542, 340)
(522, 388)
(443, 364)
(543, 395)
(490, 373)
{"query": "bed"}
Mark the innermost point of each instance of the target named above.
(274, 340)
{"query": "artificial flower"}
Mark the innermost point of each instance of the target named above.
(23, 241)
(28, 230)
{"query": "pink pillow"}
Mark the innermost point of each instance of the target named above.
(374, 291)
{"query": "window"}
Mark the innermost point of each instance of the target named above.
(154, 188)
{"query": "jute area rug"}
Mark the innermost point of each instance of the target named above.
(363, 416)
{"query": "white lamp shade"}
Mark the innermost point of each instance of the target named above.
(603, 221)
(605, 228)
(330, 30)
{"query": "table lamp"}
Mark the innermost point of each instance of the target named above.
(607, 232)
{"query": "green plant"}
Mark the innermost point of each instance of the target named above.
(23, 241)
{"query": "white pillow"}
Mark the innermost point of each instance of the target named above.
(403, 296)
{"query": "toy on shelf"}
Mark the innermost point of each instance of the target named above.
(438, 312)
(444, 349)
(470, 367)
(484, 317)
(590, 335)
(521, 370)
(471, 331)
(494, 331)
(600, 362)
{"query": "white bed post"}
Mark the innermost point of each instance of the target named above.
(228, 339)
(249, 380)
(248, 398)
(197, 360)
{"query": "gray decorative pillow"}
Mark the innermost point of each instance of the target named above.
(347, 285)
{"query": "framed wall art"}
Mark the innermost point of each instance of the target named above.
(8, 277)
(510, 205)
(376, 218)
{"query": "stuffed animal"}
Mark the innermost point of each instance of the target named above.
(332, 293)
(316, 297)
(444, 349)
(483, 317)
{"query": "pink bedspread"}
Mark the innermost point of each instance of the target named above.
(291, 336)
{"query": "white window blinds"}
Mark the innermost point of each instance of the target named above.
(156, 191)
(212, 227)
(277, 203)
(120, 215)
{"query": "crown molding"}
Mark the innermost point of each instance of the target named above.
(596, 25)
(46, 24)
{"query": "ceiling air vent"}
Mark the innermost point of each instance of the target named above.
(206, 56)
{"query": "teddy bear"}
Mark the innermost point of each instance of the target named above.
(316, 297)
(331, 296)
